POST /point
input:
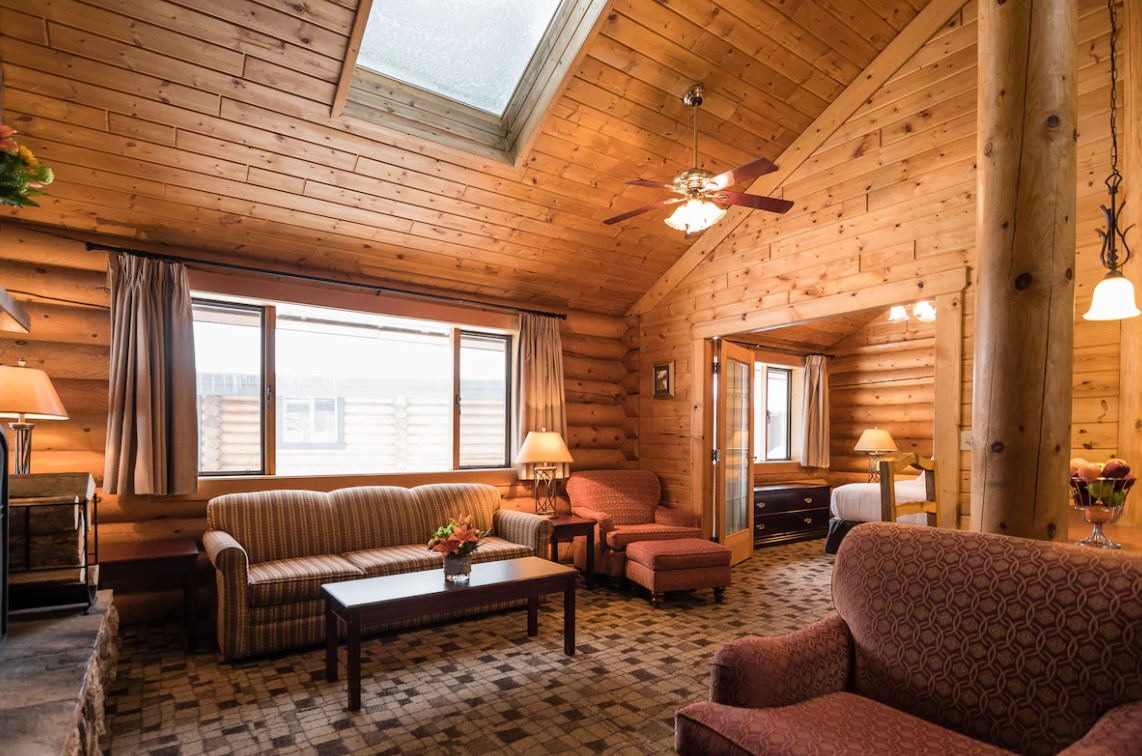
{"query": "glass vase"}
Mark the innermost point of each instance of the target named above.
(457, 569)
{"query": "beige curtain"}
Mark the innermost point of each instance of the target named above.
(152, 423)
(815, 419)
(541, 403)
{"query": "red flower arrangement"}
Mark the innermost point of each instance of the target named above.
(457, 538)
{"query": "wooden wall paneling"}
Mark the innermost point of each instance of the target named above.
(1129, 445)
(749, 274)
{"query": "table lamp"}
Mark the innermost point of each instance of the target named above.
(27, 394)
(875, 443)
(545, 451)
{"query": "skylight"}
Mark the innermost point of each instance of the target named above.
(471, 51)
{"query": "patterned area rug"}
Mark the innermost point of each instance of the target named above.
(478, 685)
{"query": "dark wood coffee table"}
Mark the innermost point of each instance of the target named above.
(390, 598)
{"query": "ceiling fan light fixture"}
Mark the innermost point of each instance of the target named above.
(695, 215)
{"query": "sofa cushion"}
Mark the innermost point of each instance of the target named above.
(624, 535)
(628, 496)
(286, 580)
(273, 525)
(978, 632)
(678, 554)
(369, 517)
(394, 560)
(441, 502)
(835, 723)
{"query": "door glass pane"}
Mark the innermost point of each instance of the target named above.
(777, 426)
(228, 358)
(735, 442)
(484, 400)
(362, 393)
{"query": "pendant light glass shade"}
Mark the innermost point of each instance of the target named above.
(1113, 299)
(695, 215)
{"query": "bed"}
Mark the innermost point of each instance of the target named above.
(855, 503)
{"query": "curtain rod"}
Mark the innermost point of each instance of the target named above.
(783, 350)
(92, 246)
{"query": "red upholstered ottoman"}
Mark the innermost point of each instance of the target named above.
(678, 565)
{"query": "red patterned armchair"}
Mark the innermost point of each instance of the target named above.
(944, 642)
(624, 506)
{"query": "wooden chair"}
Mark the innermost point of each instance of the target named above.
(889, 509)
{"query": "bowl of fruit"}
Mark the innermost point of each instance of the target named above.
(1098, 491)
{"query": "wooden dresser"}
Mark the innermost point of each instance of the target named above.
(786, 512)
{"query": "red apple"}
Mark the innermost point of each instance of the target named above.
(1116, 468)
(1090, 471)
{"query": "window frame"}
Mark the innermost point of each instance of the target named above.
(264, 391)
(788, 371)
(763, 360)
(269, 409)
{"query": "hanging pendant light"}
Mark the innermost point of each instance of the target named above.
(1113, 298)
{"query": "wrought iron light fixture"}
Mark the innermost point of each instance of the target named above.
(1113, 298)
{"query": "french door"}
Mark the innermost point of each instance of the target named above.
(733, 449)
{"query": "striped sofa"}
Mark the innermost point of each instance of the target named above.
(272, 551)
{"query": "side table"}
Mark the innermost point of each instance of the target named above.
(568, 527)
(157, 562)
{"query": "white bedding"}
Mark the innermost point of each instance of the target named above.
(860, 502)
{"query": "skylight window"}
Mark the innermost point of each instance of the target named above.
(472, 51)
(477, 75)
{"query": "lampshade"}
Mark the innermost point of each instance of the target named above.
(543, 447)
(875, 440)
(924, 311)
(897, 314)
(1113, 299)
(28, 391)
(695, 215)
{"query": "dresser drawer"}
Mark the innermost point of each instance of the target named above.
(769, 500)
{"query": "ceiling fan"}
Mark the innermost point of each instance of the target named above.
(704, 193)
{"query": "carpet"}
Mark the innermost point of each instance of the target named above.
(474, 686)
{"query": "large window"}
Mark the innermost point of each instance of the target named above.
(297, 390)
(777, 412)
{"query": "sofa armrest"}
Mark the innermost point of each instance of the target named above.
(758, 672)
(674, 517)
(232, 565)
(603, 522)
(525, 528)
(1118, 731)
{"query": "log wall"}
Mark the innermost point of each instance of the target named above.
(50, 274)
(883, 376)
(889, 198)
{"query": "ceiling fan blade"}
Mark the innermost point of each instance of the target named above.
(643, 209)
(742, 173)
(772, 204)
(652, 184)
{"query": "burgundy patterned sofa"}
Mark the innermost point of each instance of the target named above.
(272, 550)
(624, 505)
(944, 642)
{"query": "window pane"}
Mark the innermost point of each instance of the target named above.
(484, 400)
(362, 393)
(228, 356)
(777, 386)
(486, 45)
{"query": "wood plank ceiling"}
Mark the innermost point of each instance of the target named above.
(205, 125)
(814, 336)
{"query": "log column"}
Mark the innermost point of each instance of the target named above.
(1130, 123)
(1025, 235)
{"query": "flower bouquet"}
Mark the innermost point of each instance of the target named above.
(456, 541)
(1099, 491)
(21, 174)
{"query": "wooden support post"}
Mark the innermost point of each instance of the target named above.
(1025, 235)
(1130, 121)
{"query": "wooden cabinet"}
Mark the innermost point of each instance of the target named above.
(786, 512)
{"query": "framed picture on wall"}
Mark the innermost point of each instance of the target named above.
(664, 380)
